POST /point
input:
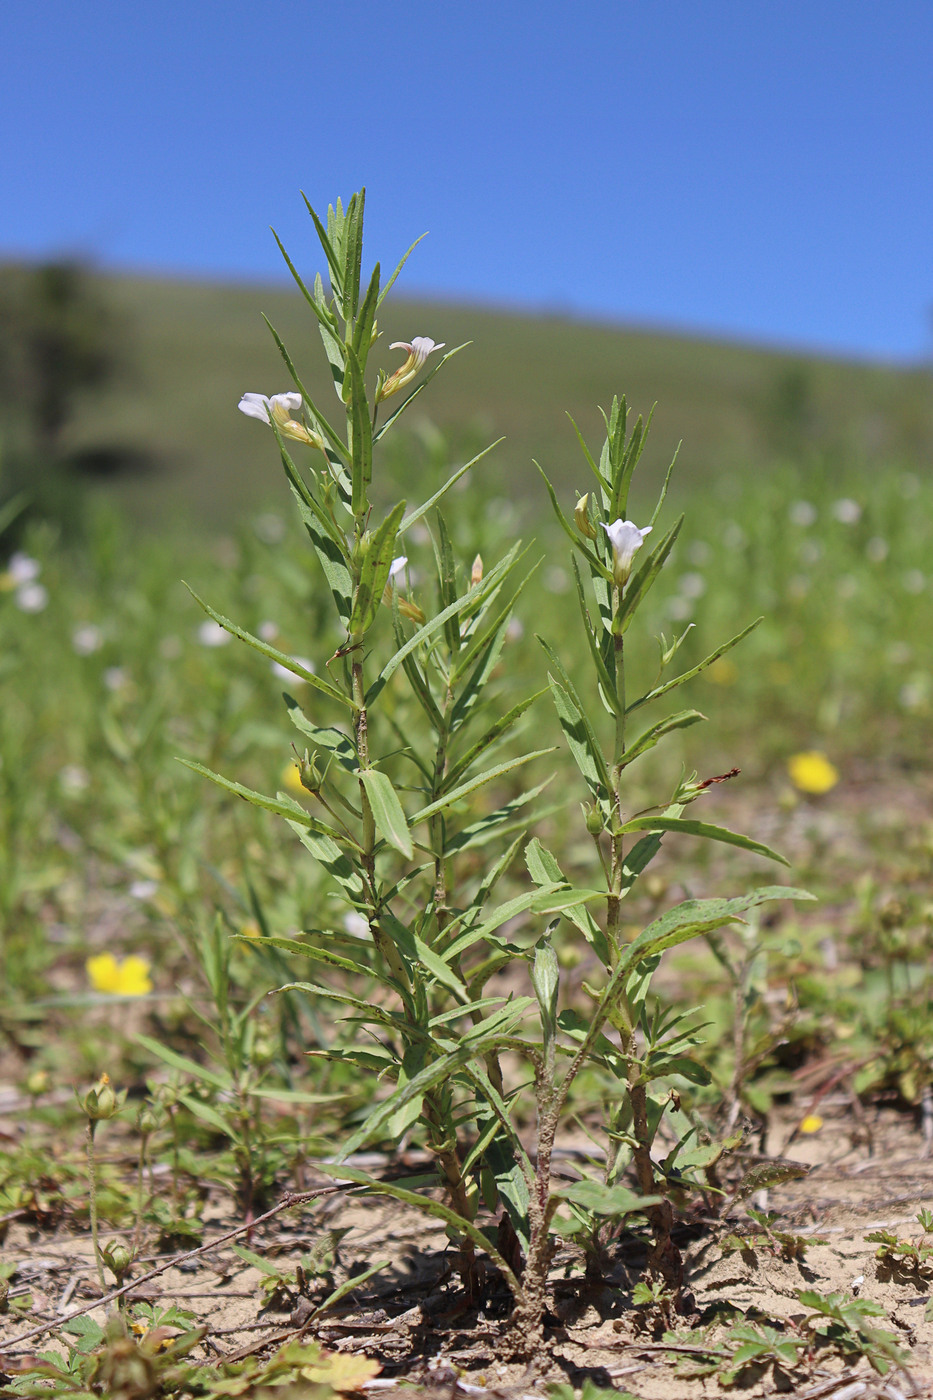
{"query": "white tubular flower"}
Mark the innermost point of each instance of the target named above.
(280, 408)
(625, 539)
(418, 351)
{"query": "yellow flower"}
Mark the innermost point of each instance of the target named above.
(811, 1124)
(127, 978)
(812, 772)
(291, 780)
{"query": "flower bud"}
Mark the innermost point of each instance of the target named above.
(308, 773)
(593, 818)
(581, 515)
(102, 1102)
(476, 573)
(118, 1256)
(37, 1083)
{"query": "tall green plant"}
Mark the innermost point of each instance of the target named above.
(415, 812)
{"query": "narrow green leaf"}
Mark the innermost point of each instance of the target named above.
(449, 798)
(374, 572)
(361, 445)
(451, 481)
(332, 740)
(441, 971)
(711, 833)
(283, 806)
(363, 330)
(581, 742)
(330, 253)
(326, 319)
(387, 810)
(682, 720)
(388, 286)
(273, 653)
(573, 534)
(428, 1206)
(181, 1062)
(494, 732)
(660, 690)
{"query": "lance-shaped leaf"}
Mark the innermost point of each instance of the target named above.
(283, 806)
(660, 690)
(608, 1202)
(474, 1042)
(332, 740)
(685, 921)
(582, 742)
(449, 798)
(325, 316)
(682, 720)
(498, 823)
(353, 254)
(447, 582)
(366, 319)
(629, 461)
(601, 648)
(421, 510)
(711, 833)
(391, 282)
(374, 572)
(314, 953)
(387, 810)
(428, 1206)
(640, 582)
(361, 444)
(576, 539)
(494, 732)
(334, 263)
(273, 653)
(605, 484)
(331, 551)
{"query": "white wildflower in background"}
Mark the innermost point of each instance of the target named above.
(73, 779)
(143, 889)
(692, 585)
(915, 695)
(679, 608)
(914, 581)
(418, 351)
(801, 513)
(397, 565)
(269, 527)
(116, 677)
(699, 554)
(170, 648)
(211, 634)
(355, 925)
(847, 511)
(555, 579)
(514, 631)
(31, 598)
(22, 569)
(626, 539)
(810, 551)
(285, 674)
(268, 631)
(87, 639)
(847, 587)
(877, 550)
(734, 537)
(798, 586)
(899, 653)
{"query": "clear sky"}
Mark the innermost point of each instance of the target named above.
(760, 169)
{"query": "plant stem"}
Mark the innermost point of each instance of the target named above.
(92, 1200)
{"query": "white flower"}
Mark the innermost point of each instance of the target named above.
(877, 549)
(116, 677)
(73, 779)
(802, 513)
(397, 565)
(692, 585)
(625, 539)
(268, 631)
(418, 351)
(32, 597)
(286, 675)
(143, 889)
(279, 408)
(87, 639)
(211, 634)
(21, 569)
(847, 511)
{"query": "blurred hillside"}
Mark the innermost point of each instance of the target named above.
(195, 348)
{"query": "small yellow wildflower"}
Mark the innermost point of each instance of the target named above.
(811, 1124)
(723, 672)
(250, 929)
(127, 978)
(291, 780)
(812, 772)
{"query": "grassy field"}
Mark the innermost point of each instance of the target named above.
(193, 349)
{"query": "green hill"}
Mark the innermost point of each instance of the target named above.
(193, 348)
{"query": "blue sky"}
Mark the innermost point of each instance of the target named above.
(749, 168)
